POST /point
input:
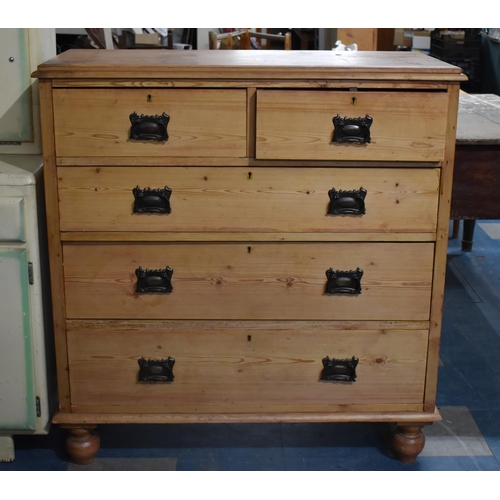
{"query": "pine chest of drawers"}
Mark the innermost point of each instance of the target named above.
(247, 236)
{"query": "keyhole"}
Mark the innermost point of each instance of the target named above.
(353, 100)
(249, 175)
(249, 338)
(149, 97)
(249, 249)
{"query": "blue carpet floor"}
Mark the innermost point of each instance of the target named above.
(468, 397)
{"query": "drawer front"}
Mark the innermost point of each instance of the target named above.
(298, 125)
(315, 200)
(249, 280)
(244, 370)
(98, 122)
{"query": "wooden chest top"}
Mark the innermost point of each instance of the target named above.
(286, 65)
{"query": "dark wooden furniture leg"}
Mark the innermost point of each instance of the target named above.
(408, 441)
(476, 178)
(468, 234)
(82, 444)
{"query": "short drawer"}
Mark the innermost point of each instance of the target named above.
(239, 369)
(309, 200)
(350, 281)
(131, 122)
(402, 126)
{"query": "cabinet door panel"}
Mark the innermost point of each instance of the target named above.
(17, 398)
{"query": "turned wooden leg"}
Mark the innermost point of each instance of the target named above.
(468, 235)
(82, 444)
(408, 441)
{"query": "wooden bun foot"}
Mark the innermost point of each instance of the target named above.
(82, 444)
(408, 441)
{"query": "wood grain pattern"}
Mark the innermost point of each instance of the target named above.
(272, 370)
(189, 236)
(441, 252)
(297, 124)
(476, 178)
(249, 281)
(214, 413)
(175, 161)
(202, 122)
(173, 325)
(186, 418)
(223, 65)
(276, 83)
(54, 244)
(248, 321)
(213, 199)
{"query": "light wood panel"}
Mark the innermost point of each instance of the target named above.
(224, 65)
(176, 161)
(188, 236)
(318, 84)
(214, 413)
(441, 252)
(368, 38)
(54, 244)
(249, 281)
(273, 370)
(175, 325)
(297, 124)
(406, 414)
(202, 122)
(271, 200)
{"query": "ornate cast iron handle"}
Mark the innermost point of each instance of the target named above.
(352, 129)
(156, 370)
(149, 127)
(344, 281)
(343, 370)
(347, 202)
(152, 200)
(154, 280)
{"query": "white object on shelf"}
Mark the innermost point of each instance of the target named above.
(340, 47)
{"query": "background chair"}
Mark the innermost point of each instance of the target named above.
(246, 39)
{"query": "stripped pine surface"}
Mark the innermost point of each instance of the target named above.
(249, 281)
(274, 200)
(297, 124)
(264, 370)
(204, 123)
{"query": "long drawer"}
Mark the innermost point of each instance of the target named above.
(238, 369)
(352, 281)
(399, 126)
(100, 122)
(317, 200)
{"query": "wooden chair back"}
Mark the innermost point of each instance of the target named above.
(242, 40)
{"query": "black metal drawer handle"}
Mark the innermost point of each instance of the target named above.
(148, 127)
(156, 370)
(347, 202)
(352, 129)
(344, 281)
(154, 280)
(152, 200)
(343, 370)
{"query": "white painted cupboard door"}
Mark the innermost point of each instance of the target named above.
(17, 393)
